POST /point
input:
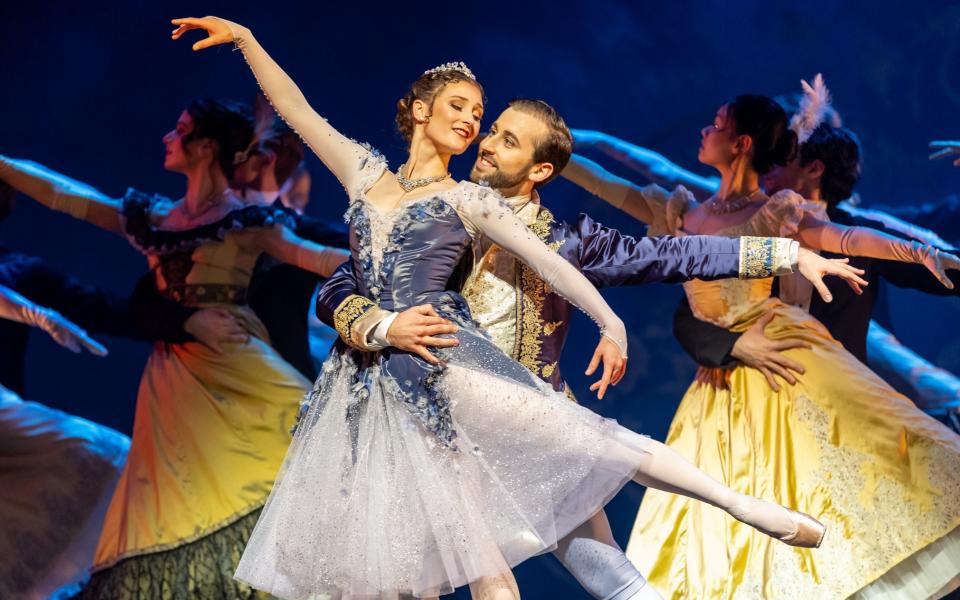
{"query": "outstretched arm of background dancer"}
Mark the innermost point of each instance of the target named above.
(946, 149)
(343, 156)
(285, 245)
(616, 191)
(863, 241)
(655, 167)
(61, 193)
(15, 307)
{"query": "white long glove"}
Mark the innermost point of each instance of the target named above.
(15, 307)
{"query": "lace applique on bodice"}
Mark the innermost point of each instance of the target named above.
(381, 224)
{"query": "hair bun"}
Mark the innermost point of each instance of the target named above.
(785, 148)
(765, 122)
(404, 118)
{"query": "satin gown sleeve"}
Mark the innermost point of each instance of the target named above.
(339, 287)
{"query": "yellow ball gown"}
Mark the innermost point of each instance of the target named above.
(210, 432)
(840, 445)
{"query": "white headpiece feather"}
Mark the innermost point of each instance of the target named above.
(813, 108)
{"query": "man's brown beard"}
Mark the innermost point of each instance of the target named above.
(500, 180)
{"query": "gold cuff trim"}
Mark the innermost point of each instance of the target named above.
(756, 257)
(349, 312)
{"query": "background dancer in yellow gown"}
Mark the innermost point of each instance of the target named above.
(211, 428)
(840, 443)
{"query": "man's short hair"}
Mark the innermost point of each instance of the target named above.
(556, 146)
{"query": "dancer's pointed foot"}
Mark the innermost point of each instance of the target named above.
(809, 533)
(789, 526)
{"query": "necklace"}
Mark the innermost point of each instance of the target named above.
(208, 203)
(409, 185)
(732, 205)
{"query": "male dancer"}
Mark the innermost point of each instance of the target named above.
(528, 145)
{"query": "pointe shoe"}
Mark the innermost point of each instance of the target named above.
(806, 532)
(809, 533)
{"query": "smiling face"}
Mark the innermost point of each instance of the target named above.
(505, 160)
(452, 121)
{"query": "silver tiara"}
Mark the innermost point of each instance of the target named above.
(452, 66)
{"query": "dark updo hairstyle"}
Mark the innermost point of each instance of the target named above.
(425, 89)
(228, 123)
(839, 151)
(765, 121)
(287, 146)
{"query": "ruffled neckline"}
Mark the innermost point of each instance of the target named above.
(150, 239)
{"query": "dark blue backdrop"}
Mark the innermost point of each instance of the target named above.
(89, 89)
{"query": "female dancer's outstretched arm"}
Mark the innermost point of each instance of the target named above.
(15, 307)
(344, 157)
(285, 245)
(642, 203)
(652, 165)
(61, 193)
(617, 191)
(863, 241)
(495, 220)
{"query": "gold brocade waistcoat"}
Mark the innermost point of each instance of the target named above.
(508, 299)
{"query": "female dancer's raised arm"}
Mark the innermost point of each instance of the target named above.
(786, 210)
(344, 157)
(616, 191)
(15, 307)
(283, 244)
(646, 204)
(487, 213)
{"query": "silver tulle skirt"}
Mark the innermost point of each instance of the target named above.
(371, 504)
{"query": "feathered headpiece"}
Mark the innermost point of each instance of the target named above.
(813, 109)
